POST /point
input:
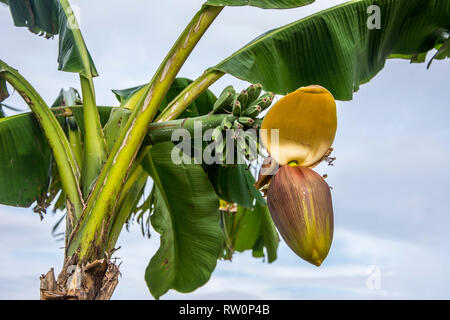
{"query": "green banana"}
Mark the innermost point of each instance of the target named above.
(252, 111)
(243, 99)
(237, 108)
(224, 100)
(253, 92)
(264, 101)
(246, 121)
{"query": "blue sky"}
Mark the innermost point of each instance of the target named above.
(389, 181)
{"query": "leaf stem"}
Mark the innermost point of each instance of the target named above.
(162, 131)
(75, 139)
(137, 180)
(94, 141)
(95, 155)
(54, 133)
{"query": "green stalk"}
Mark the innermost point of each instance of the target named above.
(226, 235)
(91, 236)
(134, 184)
(63, 155)
(189, 94)
(136, 177)
(75, 140)
(94, 141)
(162, 131)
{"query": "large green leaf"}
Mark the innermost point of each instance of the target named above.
(336, 49)
(41, 17)
(25, 161)
(265, 4)
(48, 18)
(201, 106)
(187, 218)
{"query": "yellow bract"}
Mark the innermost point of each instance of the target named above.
(307, 123)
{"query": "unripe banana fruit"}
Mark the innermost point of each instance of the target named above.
(243, 99)
(252, 111)
(237, 108)
(225, 99)
(253, 92)
(264, 101)
(246, 121)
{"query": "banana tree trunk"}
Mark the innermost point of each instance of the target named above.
(94, 280)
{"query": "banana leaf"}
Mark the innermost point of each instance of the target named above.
(25, 161)
(25, 157)
(47, 18)
(338, 48)
(186, 215)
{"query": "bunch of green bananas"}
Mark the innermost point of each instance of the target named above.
(243, 108)
(246, 105)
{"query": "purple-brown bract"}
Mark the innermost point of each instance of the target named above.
(300, 203)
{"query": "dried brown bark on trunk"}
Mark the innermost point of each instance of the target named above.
(91, 281)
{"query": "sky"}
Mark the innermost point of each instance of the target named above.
(389, 181)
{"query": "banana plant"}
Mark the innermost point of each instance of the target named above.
(94, 163)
